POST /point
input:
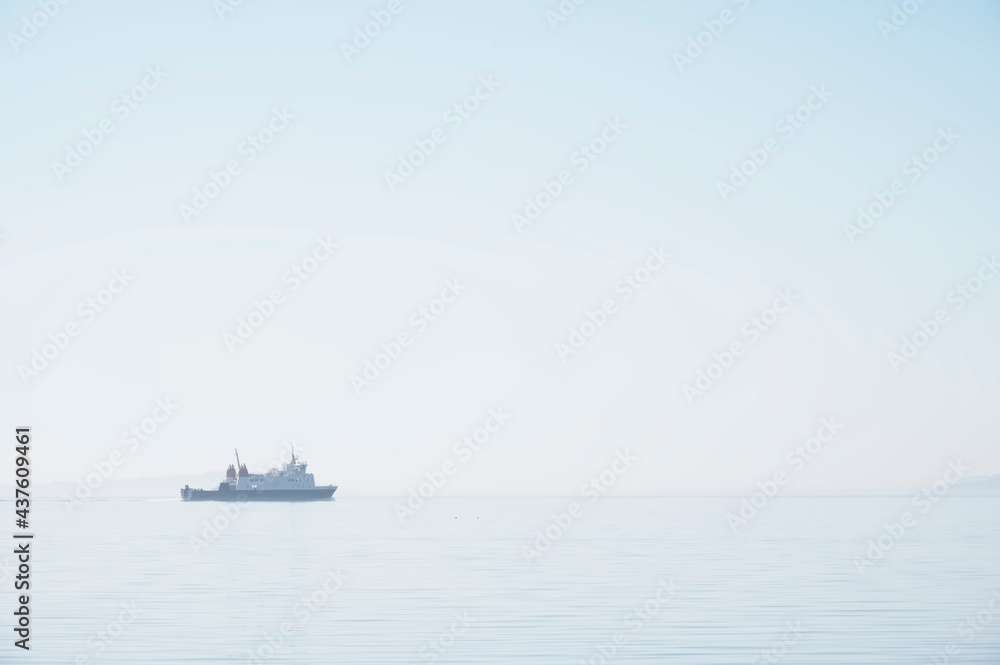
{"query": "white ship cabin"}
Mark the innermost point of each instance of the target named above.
(290, 476)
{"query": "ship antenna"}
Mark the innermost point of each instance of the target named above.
(237, 459)
(293, 453)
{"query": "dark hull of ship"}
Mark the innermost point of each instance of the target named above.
(225, 493)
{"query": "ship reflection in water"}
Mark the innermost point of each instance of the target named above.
(290, 483)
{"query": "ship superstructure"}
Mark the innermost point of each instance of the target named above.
(289, 483)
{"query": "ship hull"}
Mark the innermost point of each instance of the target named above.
(309, 494)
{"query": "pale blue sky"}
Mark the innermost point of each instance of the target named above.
(656, 185)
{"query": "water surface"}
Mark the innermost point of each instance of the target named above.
(349, 583)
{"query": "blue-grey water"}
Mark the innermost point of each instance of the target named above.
(629, 581)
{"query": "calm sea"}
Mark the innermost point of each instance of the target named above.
(627, 581)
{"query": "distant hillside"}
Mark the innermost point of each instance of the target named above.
(162, 487)
(977, 486)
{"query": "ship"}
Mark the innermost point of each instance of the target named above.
(289, 483)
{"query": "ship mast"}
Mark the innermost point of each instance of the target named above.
(237, 461)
